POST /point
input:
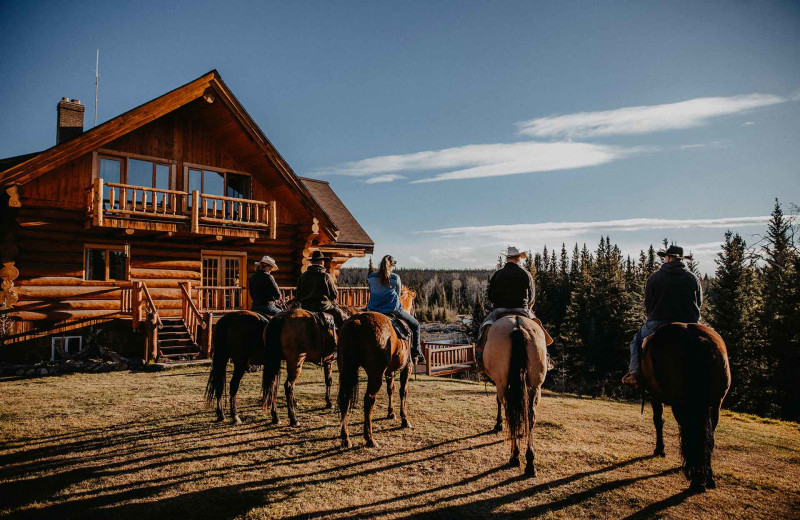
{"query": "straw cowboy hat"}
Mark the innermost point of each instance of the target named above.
(512, 251)
(675, 252)
(267, 260)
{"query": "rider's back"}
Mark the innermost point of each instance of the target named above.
(673, 293)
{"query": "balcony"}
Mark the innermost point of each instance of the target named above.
(126, 206)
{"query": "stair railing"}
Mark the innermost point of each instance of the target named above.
(191, 316)
(143, 305)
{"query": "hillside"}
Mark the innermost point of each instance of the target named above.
(136, 445)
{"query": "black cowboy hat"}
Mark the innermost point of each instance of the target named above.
(317, 255)
(675, 252)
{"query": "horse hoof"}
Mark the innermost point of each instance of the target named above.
(328, 405)
(498, 428)
(390, 415)
(405, 424)
(293, 422)
(711, 483)
(346, 443)
(236, 420)
(659, 453)
(220, 418)
(371, 443)
(530, 471)
(514, 462)
(275, 419)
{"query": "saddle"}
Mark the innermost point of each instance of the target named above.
(324, 320)
(400, 327)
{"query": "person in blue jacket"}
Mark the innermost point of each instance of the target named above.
(384, 297)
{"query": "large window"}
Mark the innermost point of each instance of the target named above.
(106, 263)
(135, 172)
(225, 184)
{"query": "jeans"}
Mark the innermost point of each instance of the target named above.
(636, 345)
(268, 309)
(413, 323)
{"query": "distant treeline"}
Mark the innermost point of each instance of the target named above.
(591, 302)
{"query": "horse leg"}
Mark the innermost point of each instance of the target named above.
(373, 386)
(390, 393)
(238, 371)
(220, 414)
(710, 482)
(533, 400)
(498, 425)
(292, 373)
(658, 421)
(405, 377)
(328, 367)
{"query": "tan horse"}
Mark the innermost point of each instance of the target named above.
(686, 366)
(515, 358)
(369, 341)
(295, 336)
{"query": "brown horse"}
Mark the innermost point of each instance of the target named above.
(239, 337)
(686, 367)
(295, 336)
(515, 358)
(368, 340)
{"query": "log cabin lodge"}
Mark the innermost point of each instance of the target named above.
(145, 229)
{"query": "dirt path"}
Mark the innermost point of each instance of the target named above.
(137, 445)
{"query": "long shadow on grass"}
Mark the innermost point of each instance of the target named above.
(651, 510)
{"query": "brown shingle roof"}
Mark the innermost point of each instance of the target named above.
(350, 231)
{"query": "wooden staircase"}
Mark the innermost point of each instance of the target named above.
(174, 341)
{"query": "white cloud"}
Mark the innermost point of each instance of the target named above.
(487, 160)
(416, 260)
(644, 119)
(561, 230)
(452, 253)
(391, 177)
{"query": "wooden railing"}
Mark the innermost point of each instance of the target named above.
(144, 310)
(218, 210)
(354, 297)
(127, 200)
(221, 299)
(190, 315)
(288, 293)
(448, 358)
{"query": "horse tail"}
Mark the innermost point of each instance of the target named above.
(516, 393)
(215, 388)
(348, 365)
(695, 412)
(272, 361)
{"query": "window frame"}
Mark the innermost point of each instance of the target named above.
(125, 248)
(124, 158)
(222, 171)
(65, 344)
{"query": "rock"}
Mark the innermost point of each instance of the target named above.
(20, 372)
(30, 372)
(43, 372)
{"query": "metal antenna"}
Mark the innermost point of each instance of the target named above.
(96, 83)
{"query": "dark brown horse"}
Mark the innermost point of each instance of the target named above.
(368, 340)
(239, 337)
(295, 336)
(686, 367)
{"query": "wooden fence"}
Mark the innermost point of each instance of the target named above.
(448, 358)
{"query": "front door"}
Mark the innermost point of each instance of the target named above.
(224, 281)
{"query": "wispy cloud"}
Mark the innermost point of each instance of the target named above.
(644, 119)
(389, 177)
(486, 160)
(522, 233)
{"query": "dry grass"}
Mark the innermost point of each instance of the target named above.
(140, 445)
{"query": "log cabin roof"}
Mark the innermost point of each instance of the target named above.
(24, 168)
(350, 231)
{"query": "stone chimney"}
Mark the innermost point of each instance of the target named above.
(70, 119)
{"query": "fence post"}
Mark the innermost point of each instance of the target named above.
(207, 335)
(428, 360)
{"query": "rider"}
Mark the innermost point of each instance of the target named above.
(316, 289)
(384, 296)
(511, 290)
(264, 292)
(673, 294)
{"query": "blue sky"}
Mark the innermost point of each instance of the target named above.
(548, 121)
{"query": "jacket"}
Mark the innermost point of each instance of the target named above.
(384, 299)
(512, 287)
(316, 290)
(263, 289)
(673, 293)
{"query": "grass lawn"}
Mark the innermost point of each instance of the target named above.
(142, 445)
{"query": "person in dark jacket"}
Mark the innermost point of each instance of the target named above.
(264, 292)
(672, 294)
(316, 289)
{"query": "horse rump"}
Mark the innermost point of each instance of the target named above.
(348, 362)
(516, 393)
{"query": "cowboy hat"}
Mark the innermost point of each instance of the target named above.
(318, 255)
(513, 251)
(675, 252)
(267, 260)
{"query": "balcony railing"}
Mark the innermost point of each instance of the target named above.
(200, 210)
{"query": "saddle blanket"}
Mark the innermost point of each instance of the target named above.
(501, 312)
(401, 328)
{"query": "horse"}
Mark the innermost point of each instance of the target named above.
(368, 340)
(515, 358)
(238, 336)
(685, 365)
(296, 336)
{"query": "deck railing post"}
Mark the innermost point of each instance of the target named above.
(195, 212)
(207, 334)
(98, 202)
